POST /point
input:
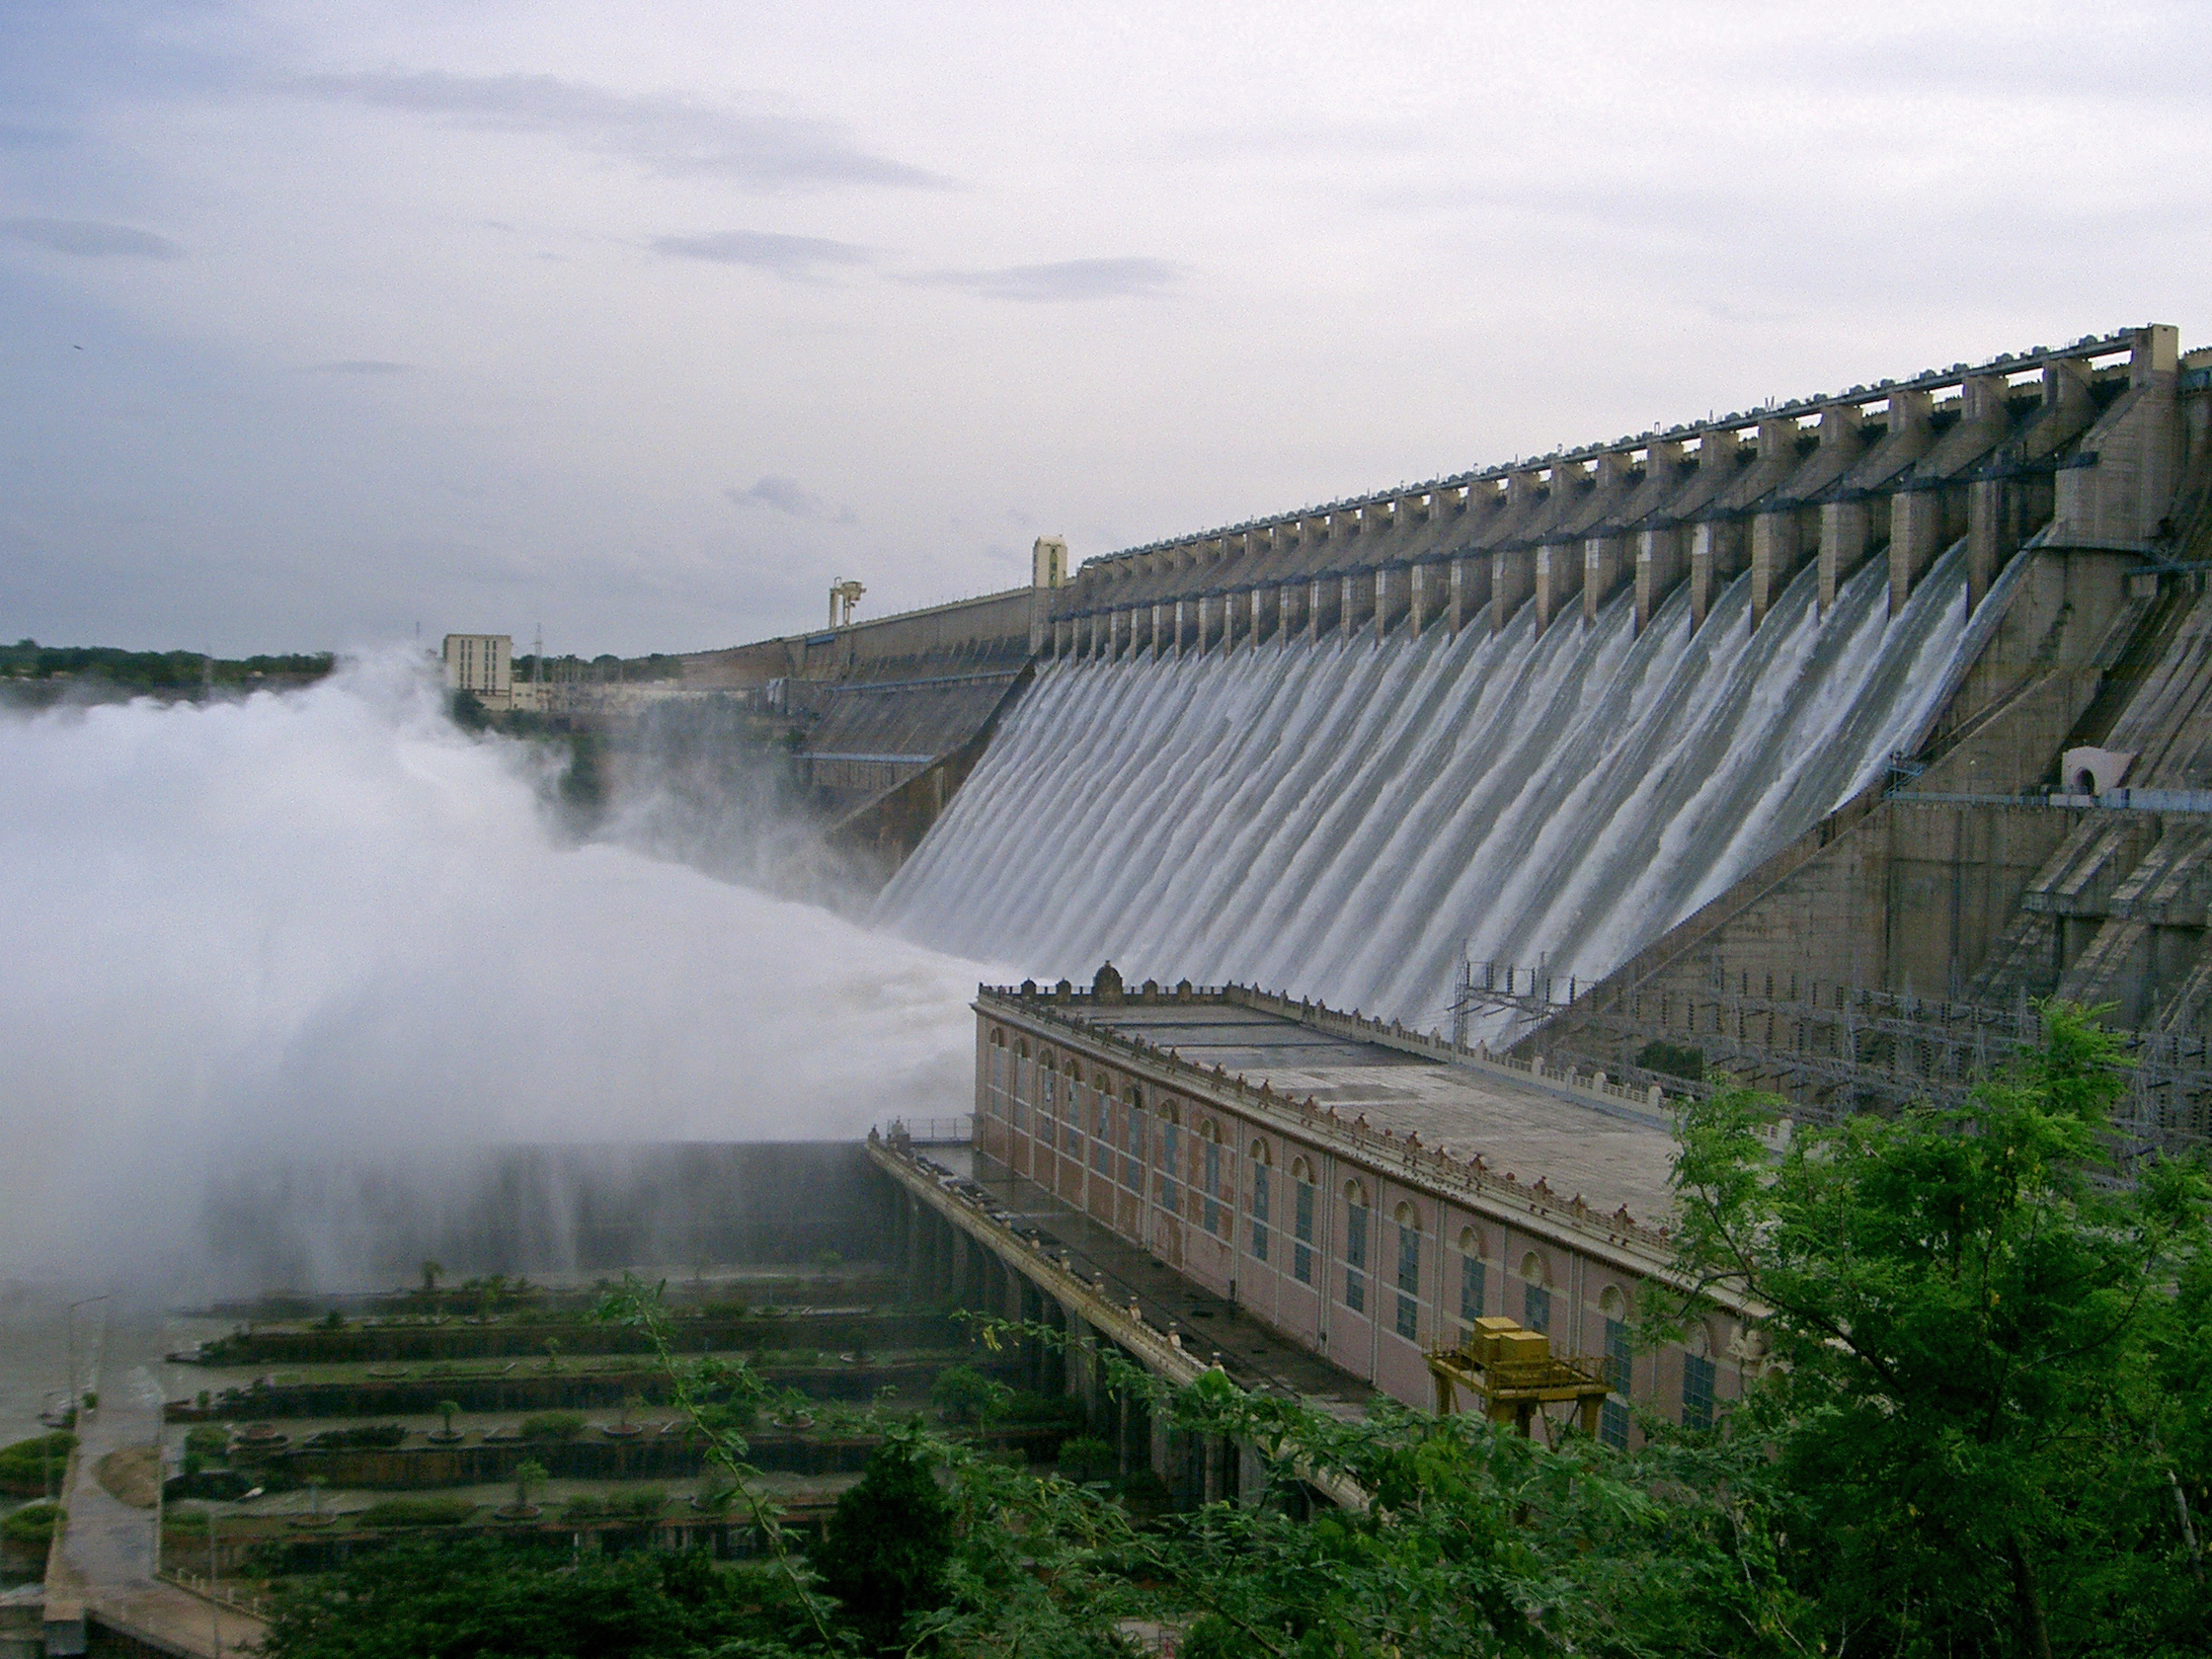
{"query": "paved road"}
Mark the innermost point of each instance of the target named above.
(105, 1563)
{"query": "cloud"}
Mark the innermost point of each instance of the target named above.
(788, 495)
(1067, 279)
(673, 137)
(92, 239)
(798, 259)
(358, 366)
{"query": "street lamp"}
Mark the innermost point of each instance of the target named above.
(214, 1583)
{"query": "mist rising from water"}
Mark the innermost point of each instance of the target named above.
(328, 923)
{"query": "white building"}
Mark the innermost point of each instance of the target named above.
(482, 664)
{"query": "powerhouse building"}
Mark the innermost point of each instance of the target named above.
(1365, 1192)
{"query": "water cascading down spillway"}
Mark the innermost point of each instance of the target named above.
(1341, 817)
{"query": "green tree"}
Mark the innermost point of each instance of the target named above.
(1969, 1304)
(885, 1550)
(965, 1394)
(527, 1474)
(447, 1410)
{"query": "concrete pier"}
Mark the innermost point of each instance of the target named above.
(2082, 444)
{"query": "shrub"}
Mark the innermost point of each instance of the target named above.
(30, 1527)
(417, 1511)
(207, 1440)
(553, 1425)
(965, 1394)
(24, 1465)
(1084, 1459)
(368, 1436)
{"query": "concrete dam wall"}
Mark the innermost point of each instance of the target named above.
(1552, 711)
(1341, 817)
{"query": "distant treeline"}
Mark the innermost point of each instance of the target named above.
(155, 670)
(604, 668)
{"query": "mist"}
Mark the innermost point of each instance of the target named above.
(326, 927)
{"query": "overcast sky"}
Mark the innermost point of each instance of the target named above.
(319, 321)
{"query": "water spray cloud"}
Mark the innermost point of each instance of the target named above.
(327, 923)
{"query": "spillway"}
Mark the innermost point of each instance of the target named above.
(1341, 817)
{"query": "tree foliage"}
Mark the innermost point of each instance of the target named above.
(1982, 1367)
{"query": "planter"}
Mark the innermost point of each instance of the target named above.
(527, 1512)
(621, 1431)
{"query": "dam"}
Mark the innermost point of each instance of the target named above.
(1627, 720)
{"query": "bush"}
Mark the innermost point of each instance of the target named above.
(417, 1511)
(30, 1527)
(369, 1436)
(553, 1425)
(965, 1394)
(207, 1440)
(24, 1465)
(1086, 1459)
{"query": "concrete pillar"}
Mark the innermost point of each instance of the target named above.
(1775, 551)
(1916, 536)
(1099, 623)
(1358, 601)
(1324, 603)
(1394, 598)
(1559, 579)
(1063, 638)
(1715, 555)
(1513, 579)
(1470, 591)
(1989, 541)
(1290, 609)
(1845, 530)
(1606, 565)
(1186, 624)
(1421, 595)
(1659, 566)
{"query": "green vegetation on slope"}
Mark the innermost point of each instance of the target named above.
(1989, 1436)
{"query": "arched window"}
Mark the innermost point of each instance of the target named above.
(1133, 1140)
(1262, 1180)
(1408, 1320)
(1209, 1138)
(1696, 1378)
(1071, 1120)
(1102, 1119)
(1022, 1083)
(1171, 1157)
(1471, 1287)
(1049, 1077)
(996, 1097)
(1355, 1246)
(1301, 1220)
(1535, 1294)
(1620, 1356)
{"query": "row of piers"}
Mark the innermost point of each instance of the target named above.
(2081, 447)
(960, 1252)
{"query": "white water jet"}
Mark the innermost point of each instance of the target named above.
(1340, 818)
(328, 924)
